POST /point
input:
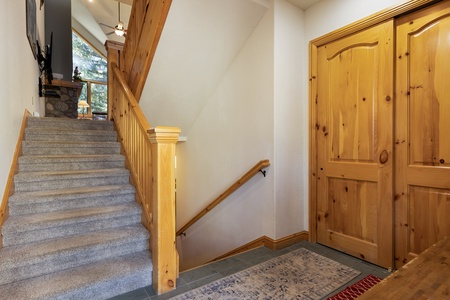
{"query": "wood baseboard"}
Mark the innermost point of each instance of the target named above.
(269, 243)
(9, 188)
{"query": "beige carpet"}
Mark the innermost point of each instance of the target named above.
(300, 274)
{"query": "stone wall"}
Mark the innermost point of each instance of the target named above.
(61, 101)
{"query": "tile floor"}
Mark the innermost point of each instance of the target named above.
(194, 278)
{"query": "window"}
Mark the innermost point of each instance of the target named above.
(93, 72)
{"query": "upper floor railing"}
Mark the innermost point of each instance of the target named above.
(95, 94)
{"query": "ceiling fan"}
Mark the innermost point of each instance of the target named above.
(119, 29)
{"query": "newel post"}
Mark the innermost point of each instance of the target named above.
(164, 253)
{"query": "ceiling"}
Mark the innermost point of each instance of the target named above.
(303, 4)
(89, 14)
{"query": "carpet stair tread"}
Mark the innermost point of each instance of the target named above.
(69, 158)
(39, 176)
(67, 132)
(35, 259)
(35, 181)
(68, 217)
(55, 200)
(100, 280)
(69, 147)
(37, 163)
(75, 193)
(39, 227)
(36, 122)
(69, 144)
(50, 134)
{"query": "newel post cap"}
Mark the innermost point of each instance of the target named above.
(164, 134)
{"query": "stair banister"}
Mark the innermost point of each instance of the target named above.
(246, 177)
(150, 156)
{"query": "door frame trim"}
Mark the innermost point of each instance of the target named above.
(362, 24)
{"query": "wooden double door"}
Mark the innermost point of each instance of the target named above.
(381, 134)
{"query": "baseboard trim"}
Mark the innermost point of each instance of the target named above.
(269, 243)
(9, 188)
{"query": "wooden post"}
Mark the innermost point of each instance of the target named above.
(164, 253)
(114, 49)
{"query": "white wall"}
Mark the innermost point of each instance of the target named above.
(329, 15)
(232, 133)
(18, 79)
(291, 142)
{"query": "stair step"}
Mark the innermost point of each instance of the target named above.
(36, 259)
(38, 181)
(51, 134)
(95, 281)
(72, 124)
(44, 226)
(74, 229)
(34, 163)
(66, 199)
(60, 148)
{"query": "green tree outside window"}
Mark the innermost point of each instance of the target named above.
(92, 66)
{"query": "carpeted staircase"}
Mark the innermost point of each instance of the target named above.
(74, 229)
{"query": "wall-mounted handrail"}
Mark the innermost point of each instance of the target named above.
(246, 177)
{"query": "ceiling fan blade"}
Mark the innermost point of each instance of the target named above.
(109, 33)
(106, 25)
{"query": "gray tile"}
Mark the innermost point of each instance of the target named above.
(225, 264)
(254, 253)
(236, 268)
(205, 280)
(198, 273)
(150, 291)
(168, 295)
(139, 294)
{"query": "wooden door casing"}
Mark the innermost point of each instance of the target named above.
(422, 141)
(354, 134)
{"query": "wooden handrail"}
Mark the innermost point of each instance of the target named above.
(246, 177)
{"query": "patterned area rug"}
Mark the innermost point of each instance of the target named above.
(300, 274)
(357, 289)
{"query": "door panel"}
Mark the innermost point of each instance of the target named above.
(354, 144)
(422, 180)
